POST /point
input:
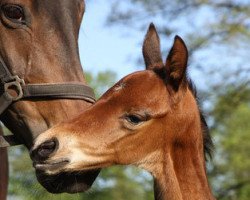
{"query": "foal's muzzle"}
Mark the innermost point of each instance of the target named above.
(71, 182)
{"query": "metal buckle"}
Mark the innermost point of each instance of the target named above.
(16, 84)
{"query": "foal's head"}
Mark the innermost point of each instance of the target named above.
(143, 116)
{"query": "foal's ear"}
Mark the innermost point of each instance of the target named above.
(176, 64)
(151, 49)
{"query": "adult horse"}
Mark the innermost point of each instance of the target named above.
(149, 119)
(41, 79)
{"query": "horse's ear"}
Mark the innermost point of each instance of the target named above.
(151, 49)
(176, 64)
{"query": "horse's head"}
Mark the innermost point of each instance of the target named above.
(38, 42)
(139, 119)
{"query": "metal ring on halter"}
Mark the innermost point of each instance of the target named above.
(15, 85)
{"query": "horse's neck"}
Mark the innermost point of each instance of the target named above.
(182, 176)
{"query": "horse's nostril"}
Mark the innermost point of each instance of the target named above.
(44, 150)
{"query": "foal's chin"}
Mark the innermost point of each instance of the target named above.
(66, 182)
(55, 178)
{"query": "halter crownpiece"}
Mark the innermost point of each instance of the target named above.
(13, 89)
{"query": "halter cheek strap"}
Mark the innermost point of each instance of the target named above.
(13, 89)
(9, 140)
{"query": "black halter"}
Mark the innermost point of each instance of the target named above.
(22, 91)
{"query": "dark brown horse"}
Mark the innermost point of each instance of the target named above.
(149, 119)
(39, 45)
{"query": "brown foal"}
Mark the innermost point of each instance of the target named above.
(149, 119)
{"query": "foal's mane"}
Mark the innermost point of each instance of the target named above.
(207, 140)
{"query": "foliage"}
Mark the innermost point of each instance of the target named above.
(101, 82)
(231, 175)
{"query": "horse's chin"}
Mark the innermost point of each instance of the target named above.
(67, 182)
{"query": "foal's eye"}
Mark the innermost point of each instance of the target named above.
(134, 119)
(13, 12)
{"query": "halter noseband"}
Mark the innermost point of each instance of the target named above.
(46, 91)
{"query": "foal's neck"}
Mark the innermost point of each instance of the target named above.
(184, 180)
(182, 175)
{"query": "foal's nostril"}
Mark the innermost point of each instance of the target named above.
(45, 150)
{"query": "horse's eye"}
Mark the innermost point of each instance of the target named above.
(13, 12)
(134, 119)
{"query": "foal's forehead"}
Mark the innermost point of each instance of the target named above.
(141, 91)
(137, 80)
(136, 87)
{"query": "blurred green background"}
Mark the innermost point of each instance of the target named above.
(217, 34)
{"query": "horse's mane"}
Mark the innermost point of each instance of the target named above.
(207, 140)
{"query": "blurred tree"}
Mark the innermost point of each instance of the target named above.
(121, 183)
(231, 175)
(101, 82)
(217, 32)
